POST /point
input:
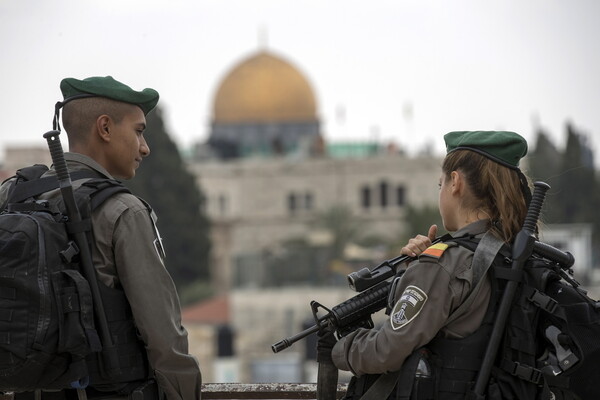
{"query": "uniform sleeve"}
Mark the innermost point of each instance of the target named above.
(155, 305)
(425, 296)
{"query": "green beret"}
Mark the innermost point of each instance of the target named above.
(504, 147)
(110, 88)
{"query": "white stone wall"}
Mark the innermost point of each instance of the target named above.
(247, 199)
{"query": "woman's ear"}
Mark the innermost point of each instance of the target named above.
(456, 182)
(104, 127)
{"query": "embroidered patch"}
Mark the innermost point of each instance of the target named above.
(408, 307)
(436, 250)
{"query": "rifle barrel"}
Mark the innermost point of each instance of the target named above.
(287, 342)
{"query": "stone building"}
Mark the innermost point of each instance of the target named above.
(254, 204)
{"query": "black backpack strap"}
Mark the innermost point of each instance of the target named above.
(25, 189)
(102, 190)
(30, 173)
(383, 386)
(485, 253)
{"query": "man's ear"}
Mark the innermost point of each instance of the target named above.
(104, 127)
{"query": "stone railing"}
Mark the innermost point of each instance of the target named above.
(264, 391)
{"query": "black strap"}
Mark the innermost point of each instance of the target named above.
(540, 299)
(525, 372)
(31, 206)
(382, 388)
(85, 225)
(508, 274)
(25, 189)
(483, 258)
(86, 305)
(33, 172)
(104, 193)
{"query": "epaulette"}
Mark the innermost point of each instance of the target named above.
(436, 250)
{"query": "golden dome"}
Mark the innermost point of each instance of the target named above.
(264, 88)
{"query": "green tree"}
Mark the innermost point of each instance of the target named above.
(343, 227)
(544, 164)
(544, 160)
(575, 185)
(164, 182)
(417, 220)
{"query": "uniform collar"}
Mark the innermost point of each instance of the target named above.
(85, 161)
(474, 228)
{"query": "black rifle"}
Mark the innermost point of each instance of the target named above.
(78, 230)
(374, 287)
(355, 312)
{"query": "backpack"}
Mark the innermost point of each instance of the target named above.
(47, 324)
(550, 347)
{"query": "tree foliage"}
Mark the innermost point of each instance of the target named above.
(575, 185)
(164, 182)
(417, 220)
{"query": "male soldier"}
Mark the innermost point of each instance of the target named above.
(105, 122)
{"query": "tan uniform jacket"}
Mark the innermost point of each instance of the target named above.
(125, 255)
(432, 288)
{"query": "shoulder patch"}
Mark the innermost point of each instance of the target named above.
(408, 307)
(435, 250)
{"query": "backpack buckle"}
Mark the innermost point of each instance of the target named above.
(527, 373)
(67, 254)
(543, 301)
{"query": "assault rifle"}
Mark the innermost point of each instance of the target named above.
(374, 287)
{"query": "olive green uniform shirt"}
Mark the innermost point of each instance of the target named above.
(126, 254)
(429, 291)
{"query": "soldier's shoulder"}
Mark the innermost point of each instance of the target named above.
(120, 202)
(443, 251)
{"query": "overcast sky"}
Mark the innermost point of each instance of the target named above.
(407, 71)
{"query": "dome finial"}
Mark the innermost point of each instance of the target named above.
(263, 36)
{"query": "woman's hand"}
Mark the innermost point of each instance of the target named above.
(419, 243)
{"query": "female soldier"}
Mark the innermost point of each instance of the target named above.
(481, 190)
